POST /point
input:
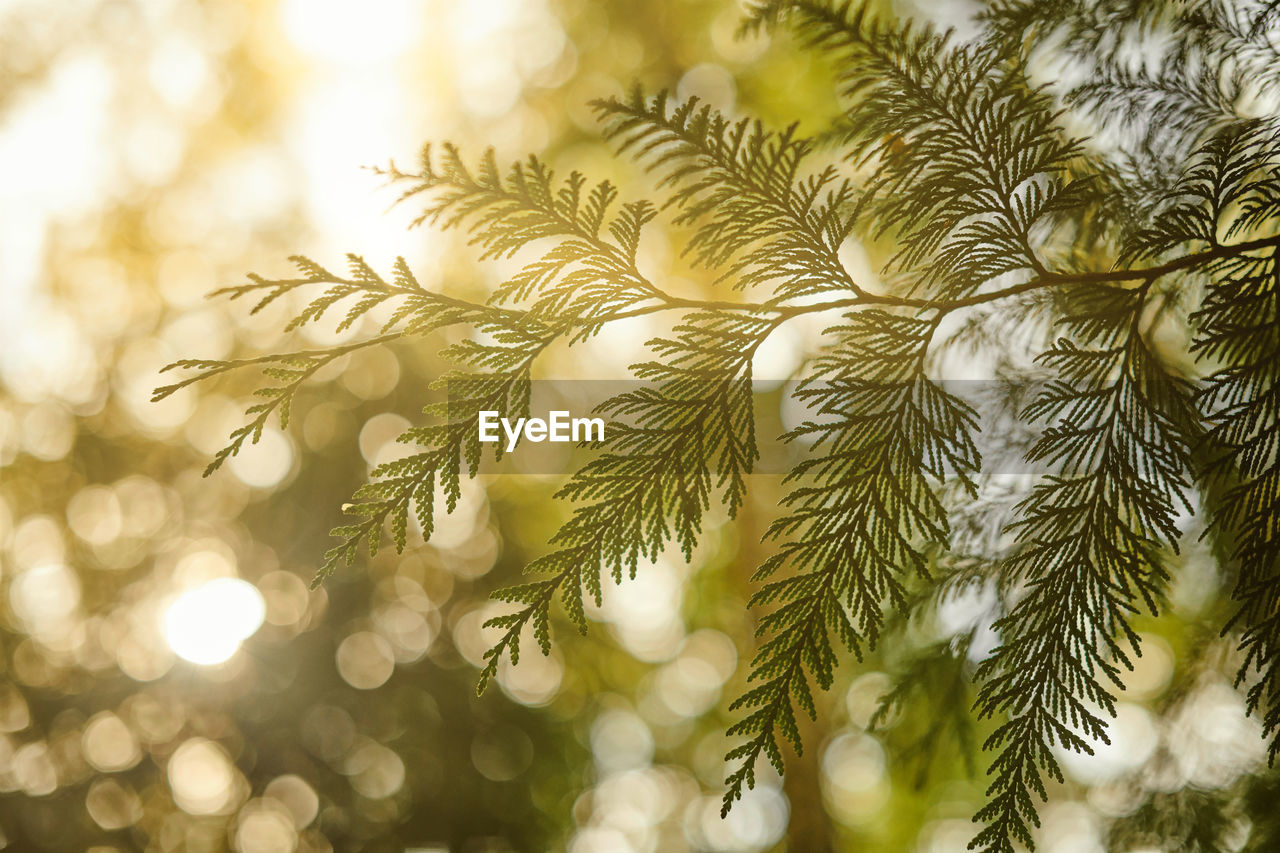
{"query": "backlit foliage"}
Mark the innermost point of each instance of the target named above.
(952, 152)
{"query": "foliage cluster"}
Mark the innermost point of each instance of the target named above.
(1159, 226)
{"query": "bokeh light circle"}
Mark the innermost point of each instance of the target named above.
(206, 625)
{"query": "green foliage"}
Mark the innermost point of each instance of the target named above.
(1240, 320)
(1195, 821)
(675, 441)
(758, 216)
(417, 311)
(969, 157)
(1118, 433)
(951, 152)
(585, 273)
(861, 500)
(936, 679)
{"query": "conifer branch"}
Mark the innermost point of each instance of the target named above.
(969, 158)
(290, 370)
(449, 443)
(672, 444)
(1119, 429)
(964, 163)
(592, 267)
(860, 508)
(757, 215)
(1241, 402)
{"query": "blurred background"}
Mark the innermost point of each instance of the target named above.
(168, 681)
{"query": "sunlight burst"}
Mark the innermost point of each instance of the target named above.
(206, 625)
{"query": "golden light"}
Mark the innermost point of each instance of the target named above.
(206, 625)
(203, 779)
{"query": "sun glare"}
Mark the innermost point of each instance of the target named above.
(206, 625)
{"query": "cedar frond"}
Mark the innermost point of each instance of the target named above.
(969, 159)
(756, 212)
(589, 268)
(1240, 330)
(669, 446)
(1118, 434)
(859, 510)
(951, 152)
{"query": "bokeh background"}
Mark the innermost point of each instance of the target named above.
(169, 682)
